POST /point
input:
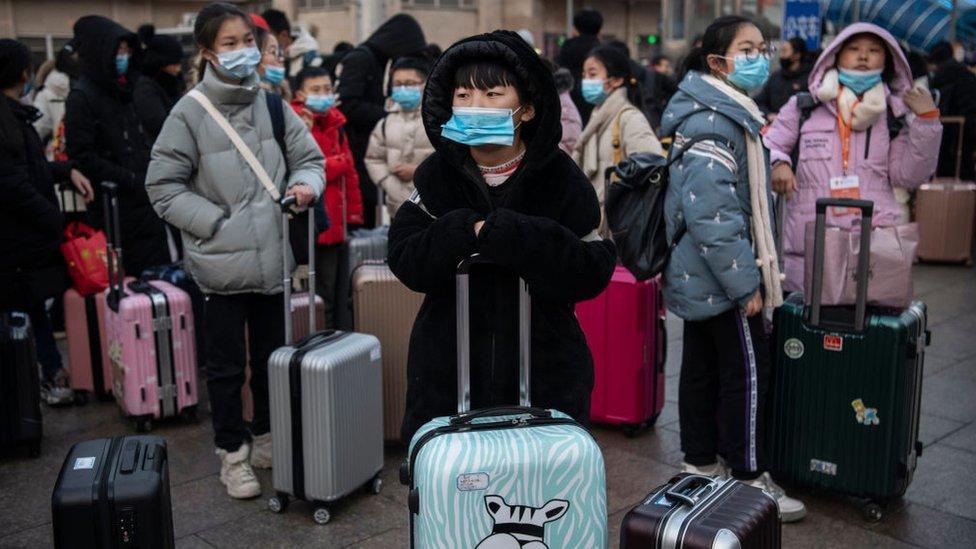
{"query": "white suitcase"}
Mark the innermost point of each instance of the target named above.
(326, 394)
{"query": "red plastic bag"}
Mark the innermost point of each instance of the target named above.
(84, 251)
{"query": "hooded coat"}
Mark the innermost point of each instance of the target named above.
(107, 141)
(542, 230)
(50, 102)
(361, 89)
(713, 267)
(880, 163)
(31, 268)
(397, 139)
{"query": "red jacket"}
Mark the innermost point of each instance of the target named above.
(342, 181)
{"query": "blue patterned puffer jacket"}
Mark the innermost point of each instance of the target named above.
(713, 268)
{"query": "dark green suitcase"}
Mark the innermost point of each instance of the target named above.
(847, 386)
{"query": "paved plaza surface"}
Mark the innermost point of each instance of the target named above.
(939, 509)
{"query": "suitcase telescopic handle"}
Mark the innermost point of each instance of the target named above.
(286, 204)
(464, 335)
(863, 261)
(689, 482)
(113, 256)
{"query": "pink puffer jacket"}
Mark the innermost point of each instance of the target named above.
(879, 162)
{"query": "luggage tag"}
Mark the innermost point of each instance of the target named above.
(845, 186)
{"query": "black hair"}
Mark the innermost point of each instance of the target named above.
(656, 60)
(411, 63)
(916, 62)
(619, 45)
(799, 46)
(342, 47)
(484, 75)
(67, 61)
(941, 52)
(618, 66)
(14, 60)
(588, 21)
(310, 72)
(208, 24)
(277, 20)
(717, 39)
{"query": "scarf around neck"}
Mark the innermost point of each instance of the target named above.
(865, 112)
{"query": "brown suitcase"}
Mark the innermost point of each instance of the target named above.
(384, 307)
(695, 511)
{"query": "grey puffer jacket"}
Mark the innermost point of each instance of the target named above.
(200, 183)
(713, 267)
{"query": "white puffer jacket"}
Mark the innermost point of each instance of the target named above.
(399, 138)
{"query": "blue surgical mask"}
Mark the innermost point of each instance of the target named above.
(592, 90)
(407, 96)
(749, 74)
(320, 103)
(273, 75)
(239, 63)
(859, 81)
(28, 87)
(480, 126)
(122, 64)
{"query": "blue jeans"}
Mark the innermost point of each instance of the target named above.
(47, 350)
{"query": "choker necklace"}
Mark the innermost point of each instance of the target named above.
(505, 166)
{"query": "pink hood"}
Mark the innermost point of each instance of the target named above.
(900, 83)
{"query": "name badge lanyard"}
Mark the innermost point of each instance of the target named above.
(845, 133)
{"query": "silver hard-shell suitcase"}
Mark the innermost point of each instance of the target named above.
(326, 393)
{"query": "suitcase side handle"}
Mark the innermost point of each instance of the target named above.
(863, 260)
(689, 482)
(464, 335)
(286, 204)
(466, 418)
(113, 257)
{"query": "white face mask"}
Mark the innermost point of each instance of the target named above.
(959, 54)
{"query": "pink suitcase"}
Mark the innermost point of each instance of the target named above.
(151, 344)
(624, 327)
(83, 318)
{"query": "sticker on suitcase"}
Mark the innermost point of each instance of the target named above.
(863, 414)
(519, 525)
(793, 348)
(832, 342)
(825, 467)
(467, 482)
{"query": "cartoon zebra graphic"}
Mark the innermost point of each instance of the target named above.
(519, 526)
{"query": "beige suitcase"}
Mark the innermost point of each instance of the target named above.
(384, 307)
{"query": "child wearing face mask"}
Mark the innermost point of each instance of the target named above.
(617, 127)
(399, 143)
(847, 147)
(314, 102)
(498, 185)
(271, 69)
(230, 221)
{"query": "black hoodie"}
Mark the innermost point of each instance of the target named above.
(537, 231)
(361, 89)
(957, 97)
(106, 140)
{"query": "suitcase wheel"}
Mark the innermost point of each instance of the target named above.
(143, 424)
(321, 516)
(630, 429)
(376, 486)
(278, 503)
(873, 511)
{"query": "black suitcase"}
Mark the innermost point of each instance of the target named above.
(20, 386)
(696, 511)
(114, 492)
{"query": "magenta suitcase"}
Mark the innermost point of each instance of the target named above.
(624, 327)
(151, 343)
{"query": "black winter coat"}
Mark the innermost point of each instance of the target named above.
(957, 97)
(153, 101)
(542, 231)
(572, 56)
(361, 90)
(107, 141)
(31, 268)
(782, 85)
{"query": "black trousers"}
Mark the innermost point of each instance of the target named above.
(725, 369)
(226, 318)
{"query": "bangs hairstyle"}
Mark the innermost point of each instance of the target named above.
(208, 24)
(484, 75)
(888, 73)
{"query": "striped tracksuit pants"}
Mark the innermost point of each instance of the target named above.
(725, 367)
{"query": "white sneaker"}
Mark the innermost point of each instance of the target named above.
(790, 510)
(717, 469)
(237, 475)
(261, 451)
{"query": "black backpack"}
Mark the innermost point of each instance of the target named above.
(805, 102)
(635, 208)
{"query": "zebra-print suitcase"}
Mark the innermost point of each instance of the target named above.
(504, 477)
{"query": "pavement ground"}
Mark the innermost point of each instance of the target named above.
(939, 509)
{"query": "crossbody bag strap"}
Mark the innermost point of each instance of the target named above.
(235, 138)
(618, 153)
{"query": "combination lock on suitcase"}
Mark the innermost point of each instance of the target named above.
(114, 492)
(697, 511)
(326, 394)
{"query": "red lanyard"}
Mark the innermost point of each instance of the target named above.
(845, 133)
